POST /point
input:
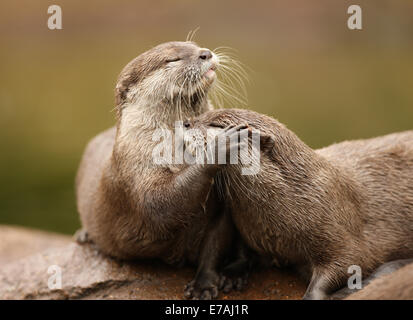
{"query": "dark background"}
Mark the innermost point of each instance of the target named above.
(307, 69)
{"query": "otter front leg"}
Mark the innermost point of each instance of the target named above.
(216, 245)
(219, 234)
(81, 236)
(221, 241)
(235, 274)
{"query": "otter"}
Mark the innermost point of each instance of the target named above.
(319, 210)
(129, 206)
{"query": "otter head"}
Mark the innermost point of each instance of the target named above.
(172, 74)
(205, 127)
(215, 121)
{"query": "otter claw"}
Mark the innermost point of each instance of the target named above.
(194, 293)
(229, 284)
(204, 288)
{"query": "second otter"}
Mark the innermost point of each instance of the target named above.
(321, 210)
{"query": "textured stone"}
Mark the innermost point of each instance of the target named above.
(17, 242)
(87, 274)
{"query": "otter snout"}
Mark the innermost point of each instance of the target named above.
(210, 63)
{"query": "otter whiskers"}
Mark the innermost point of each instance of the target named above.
(230, 85)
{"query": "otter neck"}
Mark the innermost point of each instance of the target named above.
(136, 127)
(162, 114)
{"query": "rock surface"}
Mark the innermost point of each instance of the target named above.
(18, 242)
(27, 255)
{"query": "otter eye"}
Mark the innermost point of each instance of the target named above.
(173, 59)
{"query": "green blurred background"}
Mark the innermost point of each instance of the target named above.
(309, 70)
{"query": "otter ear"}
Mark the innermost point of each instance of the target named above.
(128, 77)
(120, 93)
(267, 142)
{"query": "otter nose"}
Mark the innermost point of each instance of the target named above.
(205, 54)
(187, 124)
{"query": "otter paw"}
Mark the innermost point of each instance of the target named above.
(81, 236)
(203, 288)
(228, 284)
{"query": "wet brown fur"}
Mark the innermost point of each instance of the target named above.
(130, 207)
(347, 204)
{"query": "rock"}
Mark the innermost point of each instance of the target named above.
(87, 274)
(17, 242)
